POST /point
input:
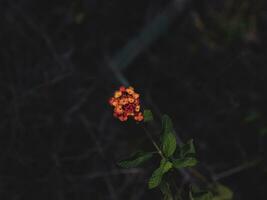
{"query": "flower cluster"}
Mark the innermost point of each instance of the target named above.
(126, 104)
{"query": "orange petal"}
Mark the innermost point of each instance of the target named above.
(137, 108)
(123, 118)
(135, 95)
(117, 94)
(111, 101)
(118, 110)
(139, 117)
(131, 100)
(130, 90)
(123, 101)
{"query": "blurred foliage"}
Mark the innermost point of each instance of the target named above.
(216, 191)
(234, 21)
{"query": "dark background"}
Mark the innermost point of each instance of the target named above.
(203, 62)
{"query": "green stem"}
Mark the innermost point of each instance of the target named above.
(153, 142)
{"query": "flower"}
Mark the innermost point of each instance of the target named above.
(126, 104)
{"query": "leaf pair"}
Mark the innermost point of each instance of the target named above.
(168, 148)
(187, 156)
(186, 151)
(157, 175)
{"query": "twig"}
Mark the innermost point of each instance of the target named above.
(49, 44)
(102, 174)
(147, 36)
(107, 179)
(235, 170)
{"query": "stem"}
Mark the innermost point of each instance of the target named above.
(153, 142)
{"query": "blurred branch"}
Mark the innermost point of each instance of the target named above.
(237, 169)
(103, 174)
(48, 83)
(88, 127)
(48, 42)
(147, 36)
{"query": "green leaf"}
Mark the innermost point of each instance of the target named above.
(168, 144)
(157, 175)
(166, 191)
(197, 194)
(135, 160)
(222, 193)
(186, 157)
(168, 137)
(148, 116)
(167, 124)
(188, 149)
(184, 162)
